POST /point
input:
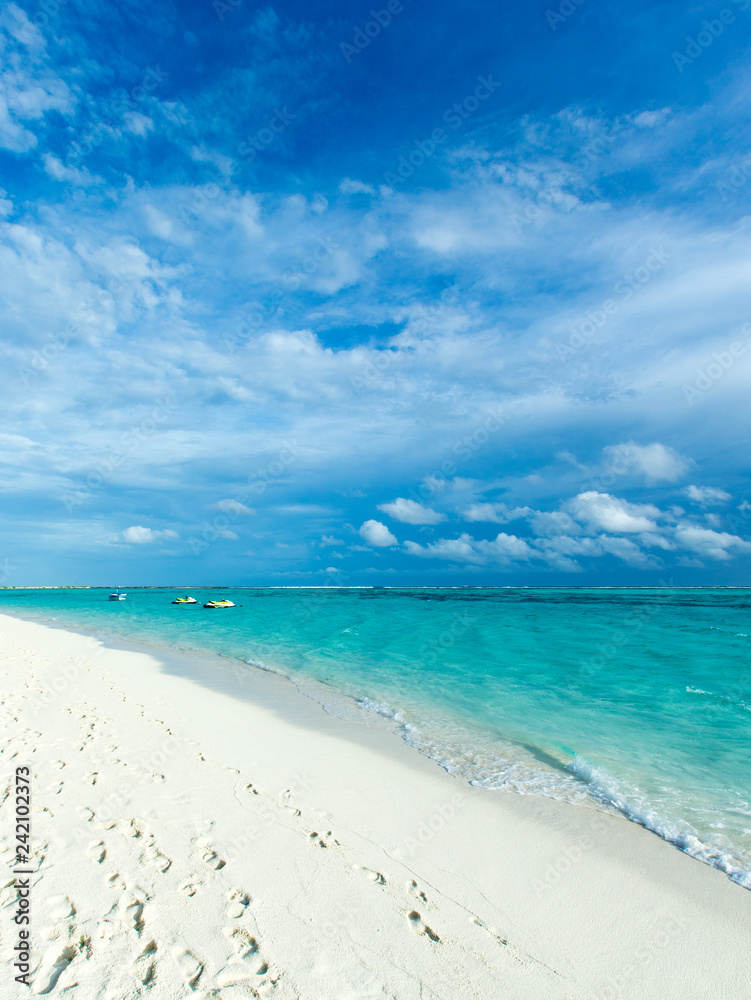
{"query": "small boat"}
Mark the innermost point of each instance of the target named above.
(185, 600)
(118, 595)
(219, 604)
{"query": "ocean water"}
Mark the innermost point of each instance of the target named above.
(637, 701)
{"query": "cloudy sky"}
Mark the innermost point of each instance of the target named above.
(319, 293)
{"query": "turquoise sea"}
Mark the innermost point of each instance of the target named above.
(635, 700)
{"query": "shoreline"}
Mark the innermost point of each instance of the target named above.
(268, 685)
(417, 872)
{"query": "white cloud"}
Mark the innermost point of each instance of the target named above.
(28, 89)
(628, 552)
(454, 549)
(505, 547)
(465, 549)
(411, 512)
(654, 461)
(708, 543)
(330, 540)
(494, 513)
(69, 175)
(350, 186)
(377, 534)
(138, 535)
(706, 495)
(608, 513)
(230, 506)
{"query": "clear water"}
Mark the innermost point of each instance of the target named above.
(635, 700)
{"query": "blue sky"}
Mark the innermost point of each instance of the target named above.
(440, 294)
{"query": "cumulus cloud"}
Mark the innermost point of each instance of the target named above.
(494, 513)
(655, 462)
(710, 544)
(377, 534)
(707, 495)
(608, 513)
(411, 512)
(503, 549)
(460, 550)
(138, 535)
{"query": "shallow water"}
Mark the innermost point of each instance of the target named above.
(636, 700)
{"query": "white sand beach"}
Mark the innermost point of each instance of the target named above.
(197, 837)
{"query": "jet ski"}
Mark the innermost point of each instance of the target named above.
(185, 600)
(219, 604)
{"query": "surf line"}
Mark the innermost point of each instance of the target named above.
(22, 918)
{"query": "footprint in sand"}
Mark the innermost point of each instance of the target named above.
(60, 908)
(322, 840)
(97, 852)
(115, 881)
(247, 967)
(58, 957)
(419, 926)
(155, 857)
(132, 829)
(189, 966)
(143, 965)
(373, 876)
(238, 903)
(209, 856)
(131, 906)
(414, 890)
(488, 930)
(55, 961)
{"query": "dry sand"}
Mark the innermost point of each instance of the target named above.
(197, 837)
